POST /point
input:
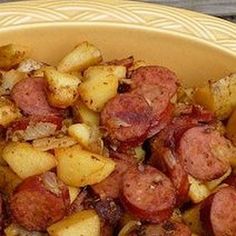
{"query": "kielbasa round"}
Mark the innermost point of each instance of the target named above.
(203, 153)
(148, 194)
(126, 118)
(155, 75)
(39, 201)
(218, 213)
(29, 95)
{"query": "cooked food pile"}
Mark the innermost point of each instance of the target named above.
(93, 147)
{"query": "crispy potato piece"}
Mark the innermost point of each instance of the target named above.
(80, 58)
(11, 55)
(79, 168)
(96, 91)
(219, 97)
(88, 137)
(28, 65)
(185, 95)
(49, 143)
(84, 223)
(97, 72)
(9, 79)
(25, 160)
(84, 115)
(8, 111)
(211, 185)
(197, 191)
(191, 217)
(62, 88)
(231, 127)
(8, 180)
(73, 192)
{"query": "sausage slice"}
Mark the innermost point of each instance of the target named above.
(203, 152)
(127, 119)
(30, 96)
(39, 201)
(218, 213)
(148, 194)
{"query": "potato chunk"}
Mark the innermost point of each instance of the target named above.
(191, 217)
(77, 167)
(11, 55)
(26, 160)
(62, 88)
(83, 56)
(99, 71)
(84, 223)
(8, 180)
(8, 111)
(219, 97)
(98, 89)
(85, 115)
(88, 137)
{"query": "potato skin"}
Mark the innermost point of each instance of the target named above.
(218, 96)
(62, 88)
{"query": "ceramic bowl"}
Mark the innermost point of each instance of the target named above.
(196, 46)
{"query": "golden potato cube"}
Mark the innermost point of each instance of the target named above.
(8, 180)
(96, 92)
(96, 72)
(11, 55)
(62, 88)
(8, 111)
(197, 191)
(25, 160)
(84, 223)
(81, 132)
(78, 168)
(85, 115)
(191, 217)
(2, 146)
(218, 97)
(80, 58)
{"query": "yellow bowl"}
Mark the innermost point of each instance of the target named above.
(196, 46)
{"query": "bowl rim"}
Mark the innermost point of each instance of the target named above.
(196, 26)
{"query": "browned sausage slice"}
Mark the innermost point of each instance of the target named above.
(148, 194)
(159, 100)
(39, 201)
(127, 119)
(202, 152)
(218, 213)
(30, 96)
(155, 75)
(169, 228)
